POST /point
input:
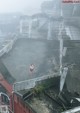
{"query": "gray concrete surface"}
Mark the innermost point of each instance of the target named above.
(30, 51)
(22, 55)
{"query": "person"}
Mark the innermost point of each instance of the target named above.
(31, 68)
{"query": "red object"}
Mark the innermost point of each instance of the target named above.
(5, 84)
(16, 103)
(20, 106)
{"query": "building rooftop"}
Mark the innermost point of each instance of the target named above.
(38, 100)
(45, 97)
(41, 53)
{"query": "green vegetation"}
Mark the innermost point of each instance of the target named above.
(45, 84)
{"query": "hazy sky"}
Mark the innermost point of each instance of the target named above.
(27, 6)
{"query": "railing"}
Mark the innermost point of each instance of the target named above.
(28, 84)
(7, 47)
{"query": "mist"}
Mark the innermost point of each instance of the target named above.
(23, 6)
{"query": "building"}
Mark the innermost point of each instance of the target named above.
(28, 91)
(37, 91)
(14, 66)
(52, 8)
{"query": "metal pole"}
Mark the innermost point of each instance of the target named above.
(63, 70)
(61, 46)
(61, 55)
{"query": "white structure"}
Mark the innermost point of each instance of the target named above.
(74, 110)
(4, 109)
